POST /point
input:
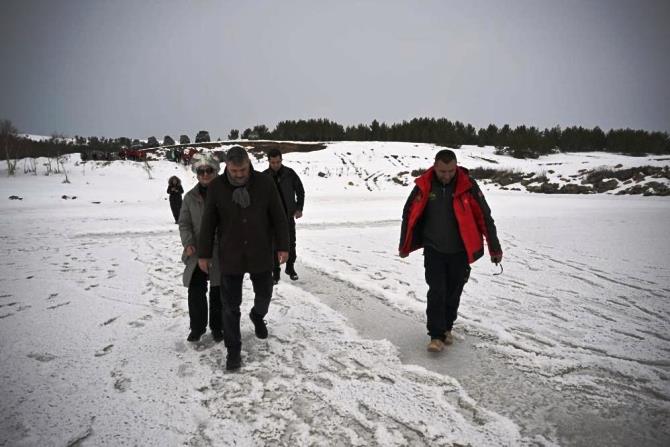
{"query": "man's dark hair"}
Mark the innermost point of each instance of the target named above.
(274, 153)
(236, 155)
(445, 156)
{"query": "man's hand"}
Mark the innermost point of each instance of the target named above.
(190, 250)
(402, 254)
(283, 256)
(204, 265)
(297, 214)
(496, 258)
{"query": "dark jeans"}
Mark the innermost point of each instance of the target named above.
(231, 297)
(445, 276)
(197, 303)
(292, 256)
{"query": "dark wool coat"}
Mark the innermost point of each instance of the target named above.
(473, 216)
(290, 188)
(245, 235)
(175, 192)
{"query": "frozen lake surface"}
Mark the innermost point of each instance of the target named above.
(569, 346)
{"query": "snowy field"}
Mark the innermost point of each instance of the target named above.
(569, 346)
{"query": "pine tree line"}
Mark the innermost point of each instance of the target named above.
(520, 142)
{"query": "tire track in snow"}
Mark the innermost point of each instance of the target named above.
(315, 382)
(555, 410)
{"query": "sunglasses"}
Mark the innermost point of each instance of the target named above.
(203, 171)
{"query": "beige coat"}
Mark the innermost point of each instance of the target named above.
(190, 218)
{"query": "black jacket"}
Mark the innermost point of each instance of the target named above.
(175, 190)
(290, 188)
(245, 234)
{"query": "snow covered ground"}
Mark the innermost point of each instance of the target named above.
(569, 346)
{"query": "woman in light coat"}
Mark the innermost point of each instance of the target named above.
(207, 168)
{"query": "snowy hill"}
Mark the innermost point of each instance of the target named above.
(384, 166)
(569, 346)
(379, 165)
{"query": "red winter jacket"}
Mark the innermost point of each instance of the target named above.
(470, 208)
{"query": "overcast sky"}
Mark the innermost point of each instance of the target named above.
(142, 68)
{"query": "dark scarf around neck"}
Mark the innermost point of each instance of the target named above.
(240, 193)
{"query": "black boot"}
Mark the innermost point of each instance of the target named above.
(259, 325)
(194, 336)
(290, 271)
(217, 335)
(234, 359)
(275, 276)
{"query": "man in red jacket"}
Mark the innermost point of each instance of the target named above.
(447, 215)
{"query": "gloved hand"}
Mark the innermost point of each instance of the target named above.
(496, 259)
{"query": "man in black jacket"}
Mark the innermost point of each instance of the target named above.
(293, 198)
(244, 210)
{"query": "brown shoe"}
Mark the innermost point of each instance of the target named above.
(448, 338)
(435, 345)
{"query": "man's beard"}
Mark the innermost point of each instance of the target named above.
(237, 182)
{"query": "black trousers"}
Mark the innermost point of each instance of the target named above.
(175, 205)
(231, 299)
(197, 303)
(445, 276)
(292, 256)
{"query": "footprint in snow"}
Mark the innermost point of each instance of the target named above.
(121, 383)
(42, 357)
(111, 320)
(377, 276)
(58, 305)
(185, 370)
(104, 351)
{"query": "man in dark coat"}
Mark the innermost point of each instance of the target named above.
(446, 213)
(292, 195)
(244, 210)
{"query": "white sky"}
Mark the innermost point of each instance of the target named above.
(128, 68)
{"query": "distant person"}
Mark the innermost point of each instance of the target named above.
(244, 210)
(175, 190)
(447, 215)
(293, 198)
(206, 168)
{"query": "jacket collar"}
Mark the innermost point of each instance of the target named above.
(280, 173)
(462, 180)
